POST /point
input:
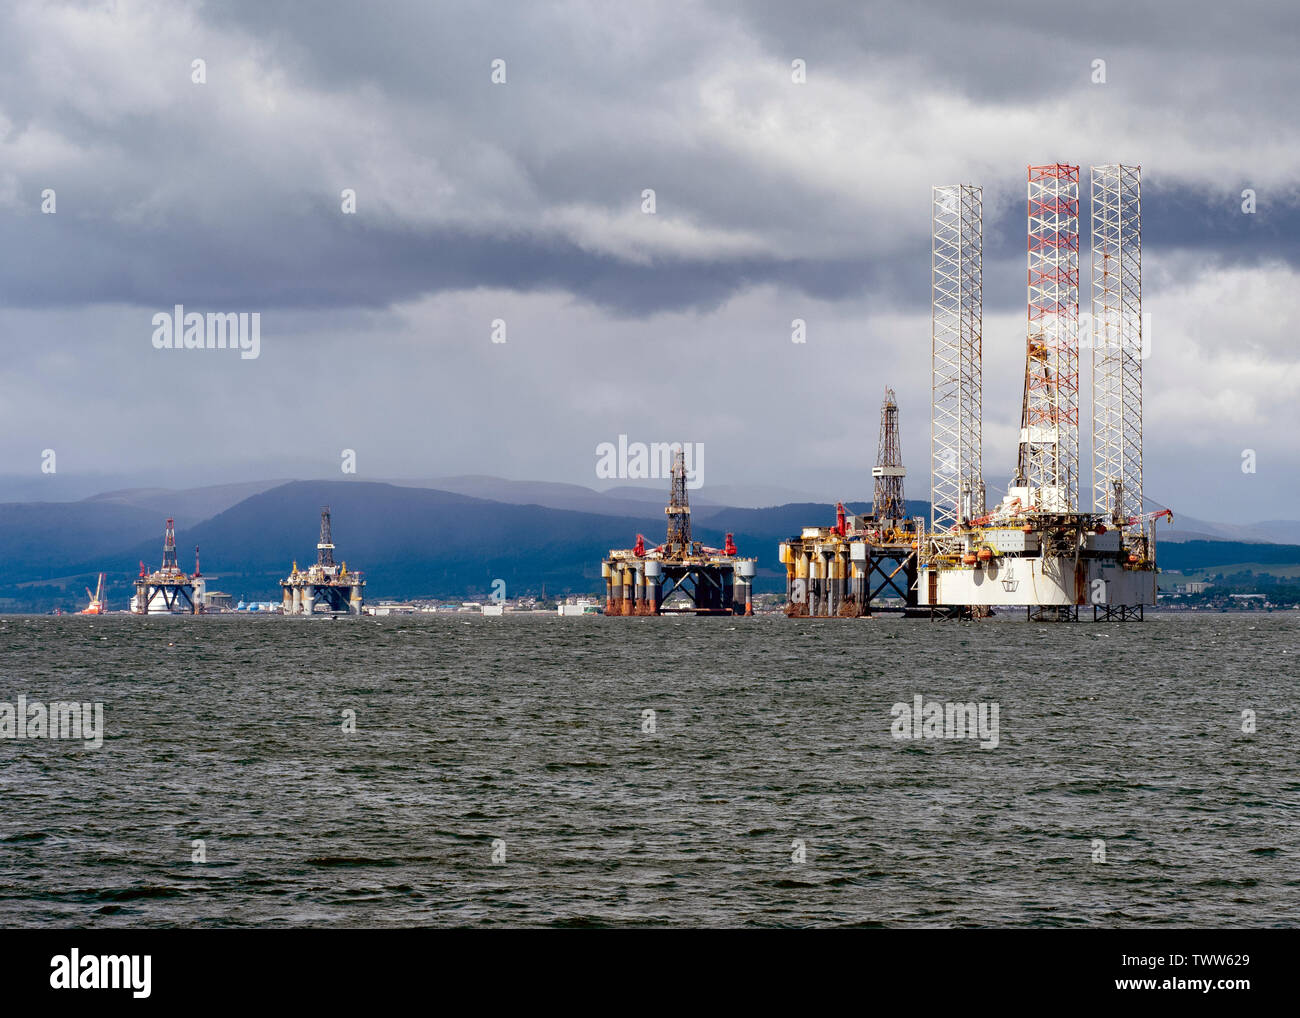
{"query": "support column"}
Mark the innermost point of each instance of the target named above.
(640, 590)
(654, 573)
(608, 573)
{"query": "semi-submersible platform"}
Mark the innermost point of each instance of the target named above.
(865, 563)
(324, 584)
(168, 590)
(711, 581)
(1036, 548)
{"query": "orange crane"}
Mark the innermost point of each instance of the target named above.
(96, 606)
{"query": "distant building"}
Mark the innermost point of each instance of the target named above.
(218, 600)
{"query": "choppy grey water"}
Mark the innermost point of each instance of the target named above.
(530, 731)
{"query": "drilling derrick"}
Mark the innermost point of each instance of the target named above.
(711, 581)
(678, 509)
(888, 473)
(956, 374)
(333, 586)
(325, 546)
(169, 562)
(1117, 345)
(1048, 462)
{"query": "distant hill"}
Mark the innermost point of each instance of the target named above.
(43, 539)
(1186, 556)
(626, 501)
(408, 541)
(1187, 528)
(782, 521)
(190, 505)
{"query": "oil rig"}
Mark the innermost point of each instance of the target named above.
(1037, 547)
(713, 581)
(326, 583)
(847, 570)
(167, 591)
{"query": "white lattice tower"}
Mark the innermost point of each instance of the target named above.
(1117, 341)
(1049, 429)
(956, 323)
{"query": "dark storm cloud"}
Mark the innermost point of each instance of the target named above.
(325, 262)
(475, 202)
(1009, 50)
(165, 195)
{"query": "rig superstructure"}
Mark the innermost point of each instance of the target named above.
(334, 586)
(713, 581)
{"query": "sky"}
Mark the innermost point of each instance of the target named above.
(521, 201)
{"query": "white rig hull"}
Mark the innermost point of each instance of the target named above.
(1014, 581)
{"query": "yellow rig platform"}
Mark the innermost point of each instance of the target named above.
(714, 581)
(844, 571)
(323, 583)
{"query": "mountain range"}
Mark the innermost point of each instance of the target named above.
(444, 537)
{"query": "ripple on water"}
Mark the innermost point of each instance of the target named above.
(500, 774)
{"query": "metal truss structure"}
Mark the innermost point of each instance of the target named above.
(1117, 344)
(1052, 613)
(678, 509)
(1049, 429)
(887, 501)
(1117, 613)
(956, 329)
(325, 546)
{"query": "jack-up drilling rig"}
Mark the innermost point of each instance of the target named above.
(1037, 547)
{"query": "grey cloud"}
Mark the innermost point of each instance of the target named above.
(771, 206)
(180, 205)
